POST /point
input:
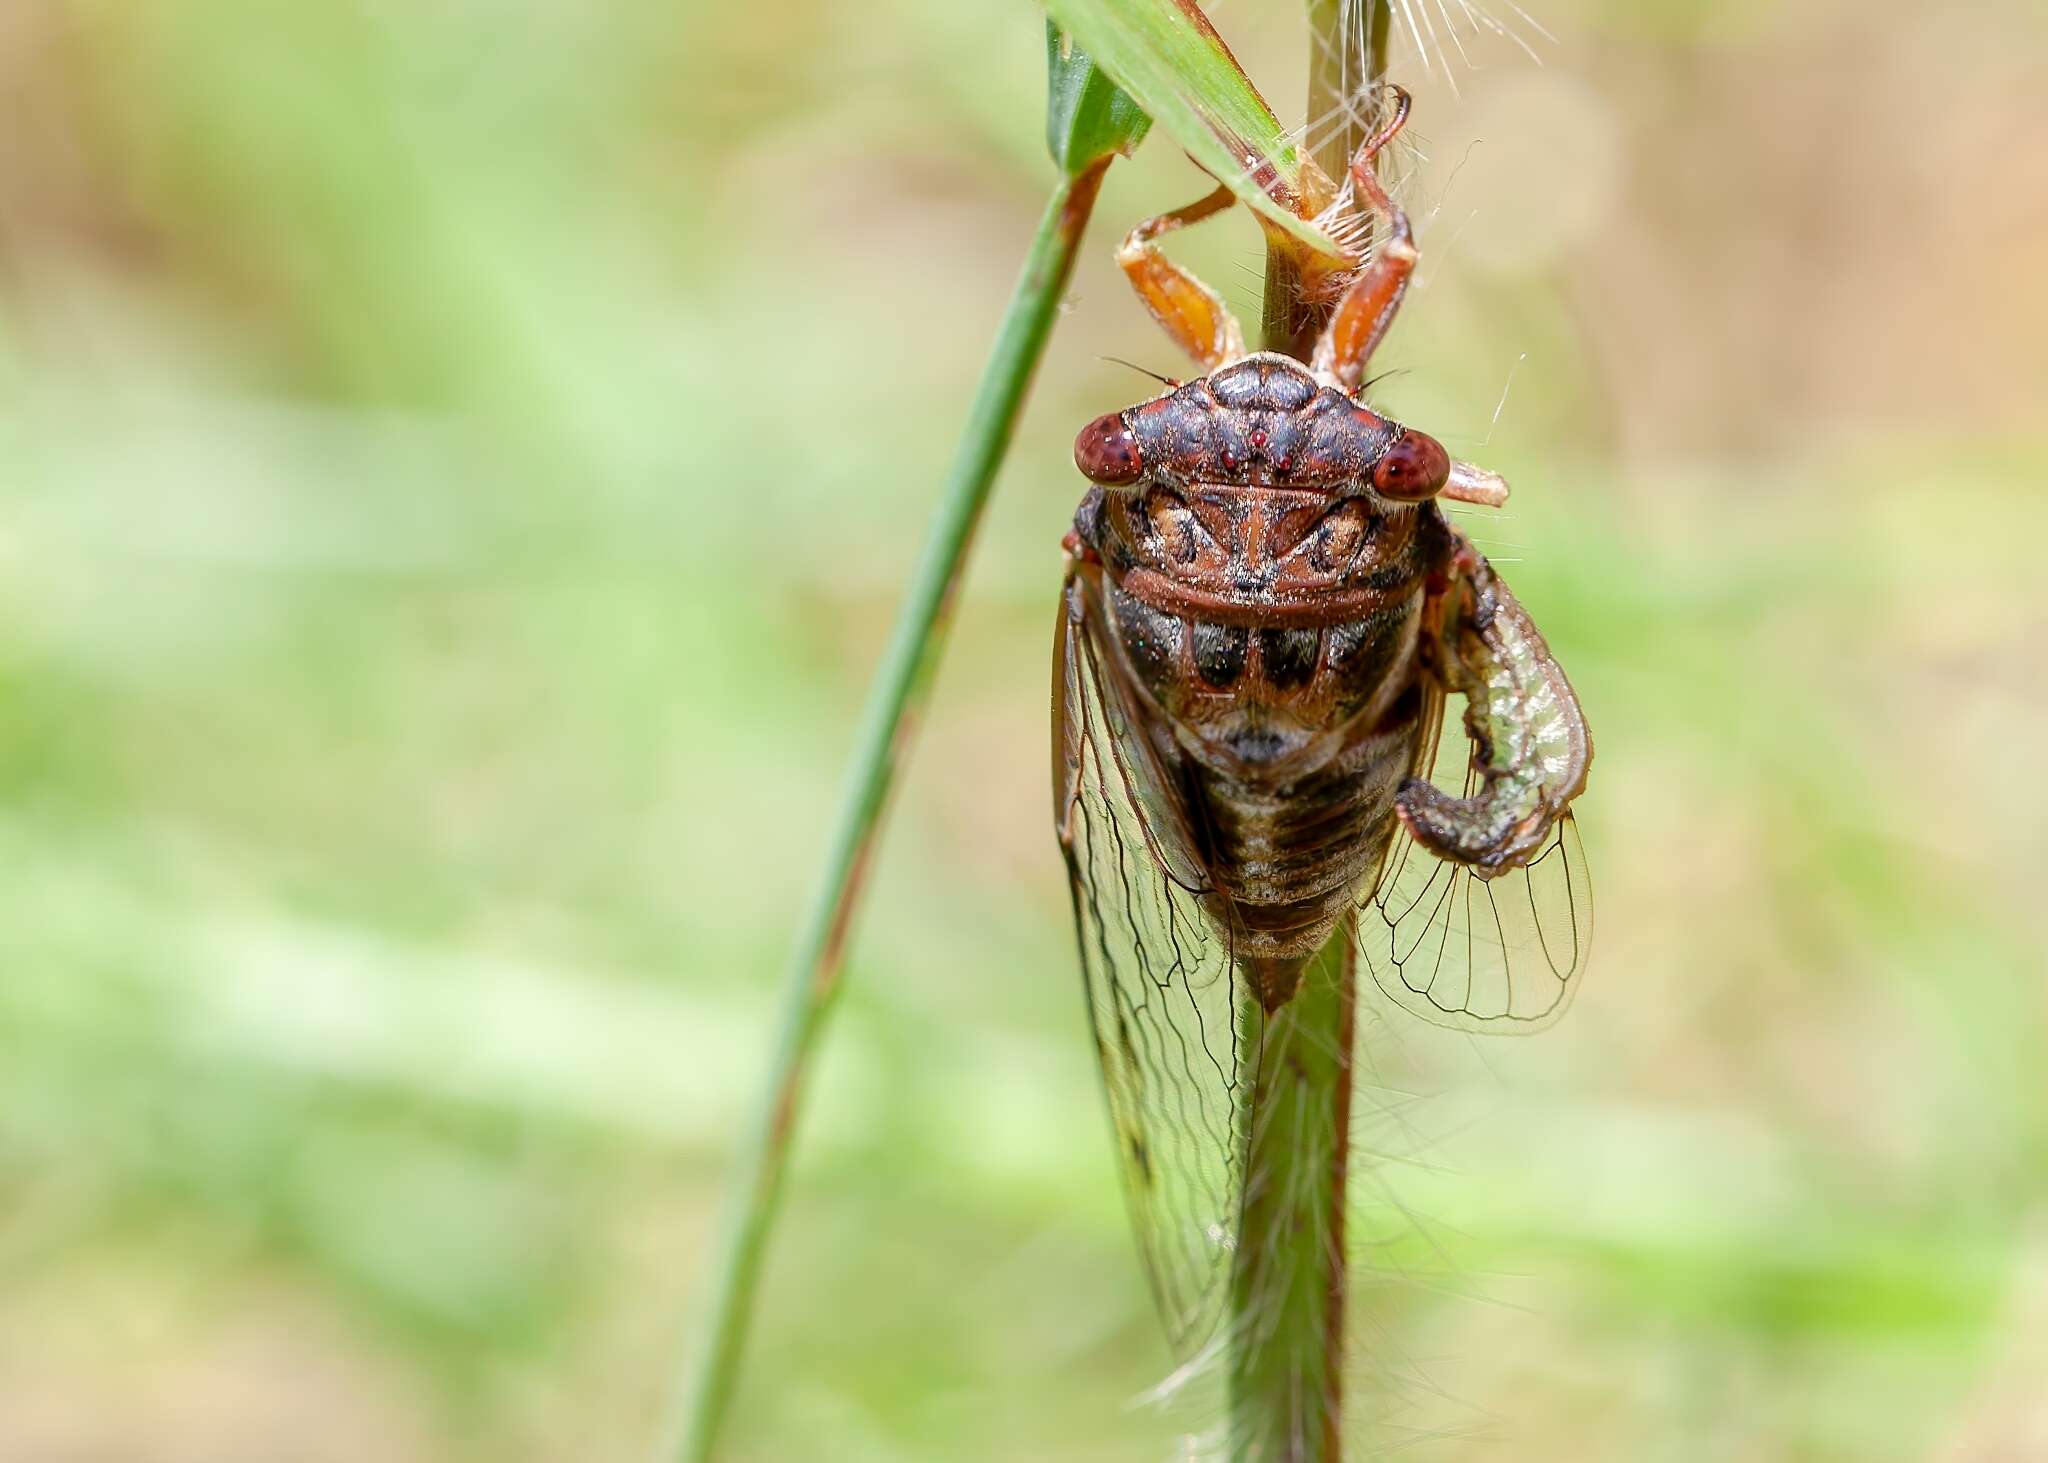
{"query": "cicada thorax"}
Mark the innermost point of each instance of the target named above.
(1268, 608)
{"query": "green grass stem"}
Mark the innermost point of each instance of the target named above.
(1289, 1281)
(901, 687)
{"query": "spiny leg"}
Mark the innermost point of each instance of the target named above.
(1530, 744)
(1370, 303)
(1371, 300)
(1186, 309)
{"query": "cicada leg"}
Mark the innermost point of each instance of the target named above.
(1530, 743)
(1369, 304)
(1186, 309)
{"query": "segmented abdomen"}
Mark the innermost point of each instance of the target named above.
(1287, 859)
(1291, 745)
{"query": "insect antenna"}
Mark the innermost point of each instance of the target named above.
(1166, 381)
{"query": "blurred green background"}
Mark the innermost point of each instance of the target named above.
(457, 466)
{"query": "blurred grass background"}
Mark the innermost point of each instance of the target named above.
(456, 467)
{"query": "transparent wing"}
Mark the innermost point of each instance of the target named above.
(1484, 955)
(1163, 996)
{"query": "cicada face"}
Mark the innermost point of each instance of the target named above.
(1262, 589)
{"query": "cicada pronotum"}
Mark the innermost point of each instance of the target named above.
(1264, 610)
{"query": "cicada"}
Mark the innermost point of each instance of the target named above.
(1265, 608)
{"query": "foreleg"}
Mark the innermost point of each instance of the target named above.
(1369, 304)
(1186, 309)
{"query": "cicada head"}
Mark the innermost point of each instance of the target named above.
(1263, 422)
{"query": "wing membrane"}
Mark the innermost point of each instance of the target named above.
(1163, 994)
(1475, 954)
(1175, 1035)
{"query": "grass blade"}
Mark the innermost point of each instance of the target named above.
(1089, 123)
(1087, 116)
(1174, 64)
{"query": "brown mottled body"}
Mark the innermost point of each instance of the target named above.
(1272, 621)
(1264, 612)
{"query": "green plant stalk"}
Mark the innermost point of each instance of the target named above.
(901, 687)
(1289, 1277)
(1292, 315)
(1335, 80)
(1175, 65)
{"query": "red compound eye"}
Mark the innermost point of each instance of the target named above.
(1415, 466)
(1107, 453)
